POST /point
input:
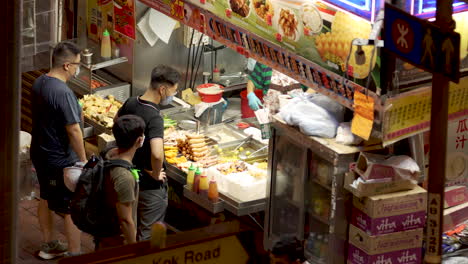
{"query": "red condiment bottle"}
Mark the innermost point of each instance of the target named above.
(213, 194)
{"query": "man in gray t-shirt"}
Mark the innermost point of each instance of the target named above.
(120, 184)
(57, 142)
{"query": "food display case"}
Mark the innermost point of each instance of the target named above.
(306, 195)
(240, 192)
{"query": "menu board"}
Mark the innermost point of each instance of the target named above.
(311, 29)
(410, 114)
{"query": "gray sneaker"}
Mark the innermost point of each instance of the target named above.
(52, 250)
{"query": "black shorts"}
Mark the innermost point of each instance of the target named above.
(53, 189)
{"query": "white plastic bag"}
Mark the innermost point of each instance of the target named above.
(312, 119)
(345, 136)
(334, 108)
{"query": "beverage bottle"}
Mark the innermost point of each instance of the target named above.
(190, 177)
(106, 45)
(310, 242)
(196, 181)
(213, 194)
(204, 185)
(318, 246)
(216, 75)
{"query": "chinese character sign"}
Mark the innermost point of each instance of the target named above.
(457, 151)
(124, 17)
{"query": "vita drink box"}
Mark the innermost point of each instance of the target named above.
(455, 195)
(392, 212)
(406, 256)
(385, 243)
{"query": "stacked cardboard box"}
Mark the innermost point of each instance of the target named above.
(388, 214)
(456, 206)
(388, 227)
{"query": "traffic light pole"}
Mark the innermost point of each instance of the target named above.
(438, 147)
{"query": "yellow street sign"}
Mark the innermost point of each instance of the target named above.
(225, 250)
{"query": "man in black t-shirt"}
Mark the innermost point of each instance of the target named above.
(57, 142)
(152, 201)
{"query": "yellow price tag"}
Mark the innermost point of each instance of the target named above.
(363, 115)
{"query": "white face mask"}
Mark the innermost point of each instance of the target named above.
(142, 142)
(251, 64)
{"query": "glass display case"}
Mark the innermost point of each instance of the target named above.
(306, 198)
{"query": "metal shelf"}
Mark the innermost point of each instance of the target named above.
(318, 217)
(321, 184)
(103, 63)
(204, 202)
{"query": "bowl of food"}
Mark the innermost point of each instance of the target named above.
(240, 7)
(288, 24)
(210, 92)
(264, 10)
(311, 19)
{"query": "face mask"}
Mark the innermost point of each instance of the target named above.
(167, 100)
(142, 141)
(77, 72)
(251, 64)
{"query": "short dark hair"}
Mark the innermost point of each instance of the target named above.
(63, 52)
(127, 129)
(163, 74)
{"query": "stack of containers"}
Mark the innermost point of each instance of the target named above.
(456, 206)
(386, 227)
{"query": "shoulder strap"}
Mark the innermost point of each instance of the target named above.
(118, 163)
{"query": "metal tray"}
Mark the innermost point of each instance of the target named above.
(88, 130)
(251, 144)
(175, 173)
(213, 131)
(98, 128)
(240, 208)
(204, 202)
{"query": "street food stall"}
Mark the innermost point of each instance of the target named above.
(295, 173)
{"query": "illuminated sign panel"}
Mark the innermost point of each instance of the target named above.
(426, 8)
(367, 9)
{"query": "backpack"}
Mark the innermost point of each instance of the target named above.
(88, 207)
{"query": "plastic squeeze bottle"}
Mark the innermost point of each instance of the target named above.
(213, 194)
(106, 45)
(190, 177)
(216, 75)
(204, 186)
(196, 181)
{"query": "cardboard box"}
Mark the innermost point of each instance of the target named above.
(455, 216)
(374, 166)
(406, 256)
(398, 203)
(389, 224)
(380, 244)
(375, 188)
(455, 195)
